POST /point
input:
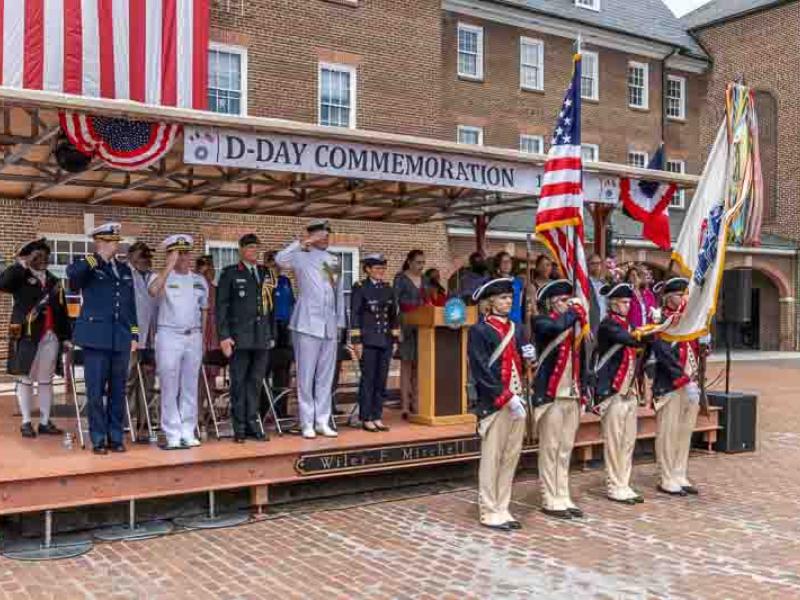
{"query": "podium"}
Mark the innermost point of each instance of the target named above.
(441, 367)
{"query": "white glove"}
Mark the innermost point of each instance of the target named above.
(529, 352)
(693, 392)
(655, 315)
(517, 407)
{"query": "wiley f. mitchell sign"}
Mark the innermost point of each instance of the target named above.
(206, 146)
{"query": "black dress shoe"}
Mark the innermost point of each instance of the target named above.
(239, 438)
(623, 500)
(119, 448)
(502, 527)
(259, 437)
(680, 492)
(575, 513)
(558, 514)
(27, 430)
(383, 427)
(49, 429)
(689, 489)
(100, 450)
(514, 524)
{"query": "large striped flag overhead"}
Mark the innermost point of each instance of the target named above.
(559, 217)
(151, 51)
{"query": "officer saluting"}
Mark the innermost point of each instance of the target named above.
(245, 324)
(107, 331)
(374, 320)
(182, 304)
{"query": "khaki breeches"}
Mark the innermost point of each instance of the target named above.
(619, 439)
(501, 444)
(557, 425)
(676, 415)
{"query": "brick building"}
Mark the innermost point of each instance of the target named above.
(490, 72)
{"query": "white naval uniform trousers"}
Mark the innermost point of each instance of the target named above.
(501, 444)
(179, 353)
(618, 422)
(557, 425)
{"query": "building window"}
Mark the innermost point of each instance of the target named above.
(64, 249)
(589, 76)
(676, 97)
(531, 64)
(470, 51)
(470, 135)
(223, 254)
(638, 85)
(348, 259)
(679, 199)
(637, 159)
(337, 95)
(767, 109)
(227, 79)
(531, 144)
(590, 4)
(590, 152)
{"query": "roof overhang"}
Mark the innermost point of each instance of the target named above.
(28, 170)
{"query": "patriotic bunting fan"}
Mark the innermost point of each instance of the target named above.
(123, 144)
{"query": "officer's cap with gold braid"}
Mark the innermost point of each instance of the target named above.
(319, 225)
(374, 259)
(107, 232)
(182, 242)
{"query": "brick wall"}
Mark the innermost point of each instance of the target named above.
(504, 110)
(393, 45)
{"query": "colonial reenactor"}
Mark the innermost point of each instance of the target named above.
(557, 391)
(245, 325)
(140, 257)
(39, 326)
(676, 397)
(182, 304)
(619, 347)
(495, 349)
(107, 331)
(316, 321)
(375, 325)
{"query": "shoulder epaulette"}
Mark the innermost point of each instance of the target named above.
(91, 260)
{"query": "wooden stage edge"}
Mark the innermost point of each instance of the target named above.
(37, 475)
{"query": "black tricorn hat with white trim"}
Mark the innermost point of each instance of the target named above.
(620, 290)
(559, 287)
(676, 284)
(495, 287)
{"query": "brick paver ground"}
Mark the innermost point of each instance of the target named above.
(739, 539)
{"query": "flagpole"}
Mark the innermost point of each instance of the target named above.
(575, 242)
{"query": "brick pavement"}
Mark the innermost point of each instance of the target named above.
(739, 539)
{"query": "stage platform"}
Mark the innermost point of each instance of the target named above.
(40, 474)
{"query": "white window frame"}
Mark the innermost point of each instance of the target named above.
(60, 271)
(595, 76)
(538, 139)
(538, 85)
(342, 68)
(355, 252)
(242, 52)
(595, 148)
(643, 155)
(472, 129)
(683, 99)
(221, 245)
(645, 84)
(476, 29)
(588, 4)
(679, 199)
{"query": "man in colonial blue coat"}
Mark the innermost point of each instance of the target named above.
(496, 349)
(557, 391)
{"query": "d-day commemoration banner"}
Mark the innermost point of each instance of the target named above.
(229, 148)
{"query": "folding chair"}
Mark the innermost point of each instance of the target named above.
(70, 358)
(272, 400)
(213, 358)
(347, 354)
(145, 357)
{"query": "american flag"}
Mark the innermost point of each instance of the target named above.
(151, 51)
(559, 218)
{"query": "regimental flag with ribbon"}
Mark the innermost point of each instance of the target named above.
(559, 217)
(726, 207)
(648, 202)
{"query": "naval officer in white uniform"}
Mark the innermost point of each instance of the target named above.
(316, 322)
(183, 302)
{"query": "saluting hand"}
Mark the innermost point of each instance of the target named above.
(172, 259)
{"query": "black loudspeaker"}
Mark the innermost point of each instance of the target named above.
(737, 295)
(737, 419)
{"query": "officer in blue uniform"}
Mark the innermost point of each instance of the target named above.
(374, 316)
(107, 331)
